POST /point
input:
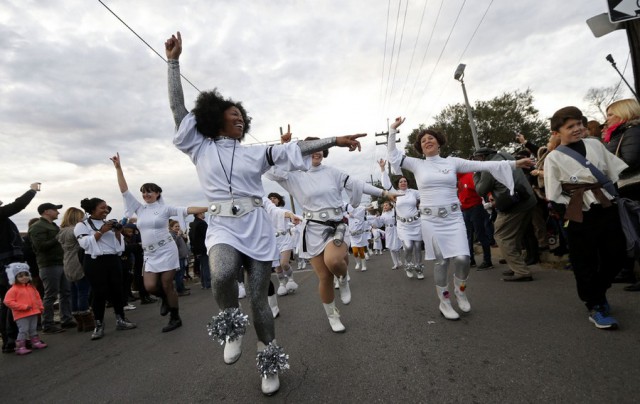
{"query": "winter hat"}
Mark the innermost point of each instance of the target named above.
(14, 269)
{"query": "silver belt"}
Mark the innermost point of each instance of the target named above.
(440, 211)
(409, 219)
(282, 233)
(322, 214)
(235, 207)
(155, 246)
(389, 225)
(357, 232)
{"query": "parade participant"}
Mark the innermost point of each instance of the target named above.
(161, 257)
(377, 240)
(319, 191)
(26, 305)
(443, 230)
(596, 241)
(239, 232)
(103, 243)
(359, 236)
(407, 218)
(286, 245)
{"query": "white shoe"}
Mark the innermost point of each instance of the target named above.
(336, 284)
(270, 384)
(394, 267)
(461, 295)
(445, 304)
(129, 307)
(366, 256)
(292, 286)
(357, 263)
(232, 350)
(419, 273)
(282, 289)
(334, 317)
(345, 291)
(242, 293)
(364, 266)
(409, 272)
(273, 303)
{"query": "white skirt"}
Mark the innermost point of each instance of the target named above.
(449, 233)
(314, 240)
(162, 259)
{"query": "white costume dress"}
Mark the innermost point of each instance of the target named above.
(358, 228)
(317, 189)
(436, 180)
(377, 239)
(160, 250)
(406, 211)
(388, 220)
(252, 234)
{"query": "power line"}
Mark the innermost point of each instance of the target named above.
(415, 45)
(476, 30)
(404, 20)
(393, 49)
(384, 58)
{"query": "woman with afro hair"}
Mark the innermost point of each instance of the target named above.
(240, 232)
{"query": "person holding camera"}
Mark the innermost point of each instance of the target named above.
(102, 243)
(161, 258)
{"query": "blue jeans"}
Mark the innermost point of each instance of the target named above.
(205, 271)
(55, 283)
(179, 277)
(475, 220)
(80, 290)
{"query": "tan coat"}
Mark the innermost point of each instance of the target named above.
(72, 266)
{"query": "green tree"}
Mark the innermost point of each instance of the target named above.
(497, 121)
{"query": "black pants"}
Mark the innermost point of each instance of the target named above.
(596, 252)
(105, 275)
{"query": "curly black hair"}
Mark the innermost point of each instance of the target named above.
(440, 138)
(90, 205)
(209, 112)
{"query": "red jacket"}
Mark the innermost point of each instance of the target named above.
(24, 300)
(467, 191)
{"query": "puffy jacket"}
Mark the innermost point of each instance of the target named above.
(24, 300)
(629, 149)
(73, 269)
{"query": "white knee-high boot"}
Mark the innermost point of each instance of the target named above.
(273, 303)
(358, 260)
(394, 258)
(334, 317)
(364, 265)
(461, 297)
(445, 303)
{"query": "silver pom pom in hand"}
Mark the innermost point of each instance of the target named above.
(272, 360)
(231, 323)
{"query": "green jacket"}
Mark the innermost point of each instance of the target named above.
(45, 244)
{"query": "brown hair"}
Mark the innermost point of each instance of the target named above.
(440, 138)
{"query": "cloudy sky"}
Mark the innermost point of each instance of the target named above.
(78, 86)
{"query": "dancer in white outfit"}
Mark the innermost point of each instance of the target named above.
(319, 190)
(239, 232)
(391, 241)
(443, 228)
(358, 230)
(286, 243)
(161, 258)
(377, 240)
(408, 222)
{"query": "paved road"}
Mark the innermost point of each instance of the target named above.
(527, 342)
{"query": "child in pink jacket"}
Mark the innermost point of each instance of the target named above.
(26, 305)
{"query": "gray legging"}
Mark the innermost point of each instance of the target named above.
(460, 266)
(225, 261)
(412, 250)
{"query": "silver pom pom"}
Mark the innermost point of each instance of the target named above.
(272, 360)
(230, 323)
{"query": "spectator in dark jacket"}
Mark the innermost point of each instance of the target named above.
(513, 212)
(10, 251)
(199, 233)
(622, 138)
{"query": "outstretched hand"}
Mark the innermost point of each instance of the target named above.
(399, 121)
(116, 160)
(285, 137)
(392, 196)
(382, 163)
(173, 46)
(525, 163)
(350, 141)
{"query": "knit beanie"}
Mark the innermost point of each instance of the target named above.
(14, 269)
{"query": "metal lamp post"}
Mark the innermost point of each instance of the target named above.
(459, 75)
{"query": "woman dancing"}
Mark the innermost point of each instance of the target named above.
(240, 232)
(443, 229)
(161, 257)
(285, 241)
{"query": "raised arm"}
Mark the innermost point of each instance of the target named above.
(173, 49)
(311, 146)
(122, 183)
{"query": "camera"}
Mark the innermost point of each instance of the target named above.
(116, 225)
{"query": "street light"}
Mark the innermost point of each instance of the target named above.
(459, 75)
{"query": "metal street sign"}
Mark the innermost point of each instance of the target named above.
(623, 10)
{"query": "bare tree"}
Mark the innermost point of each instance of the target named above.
(599, 98)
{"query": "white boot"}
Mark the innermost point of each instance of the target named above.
(334, 317)
(273, 303)
(345, 291)
(358, 263)
(336, 284)
(419, 272)
(445, 304)
(408, 269)
(232, 350)
(461, 296)
(270, 384)
(364, 265)
(291, 286)
(282, 289)
(242, 293)
(366, 255)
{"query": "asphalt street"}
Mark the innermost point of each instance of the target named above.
(521, 343)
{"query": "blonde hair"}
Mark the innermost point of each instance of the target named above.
(71, 217)
(626, 109)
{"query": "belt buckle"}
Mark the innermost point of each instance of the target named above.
(324, 215)
(307, 215)
(427, 211)
(409, 220)
(214, 208)
(151, 247)
(442, 212)
(162, 242)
